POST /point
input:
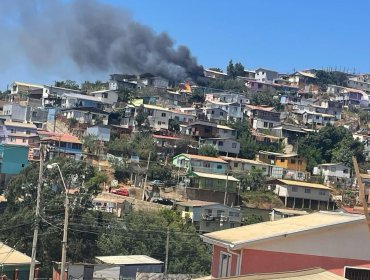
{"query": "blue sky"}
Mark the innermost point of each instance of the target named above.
(282, 35)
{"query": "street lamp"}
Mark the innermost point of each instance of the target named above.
(65, 229)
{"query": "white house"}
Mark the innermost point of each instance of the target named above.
(108, 97)
(224, 131)
(223, 145)
(334, 173)
(242, 165)
(234, 110)
(265, 75)
(298, 194)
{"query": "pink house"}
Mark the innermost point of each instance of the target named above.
(333, 241)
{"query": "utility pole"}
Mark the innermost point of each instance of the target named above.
(37, 216)
(226, 185)
(146, 175)
(167, 249)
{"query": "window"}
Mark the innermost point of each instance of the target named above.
(294, 189)
(219, 213)
(163, 114)
(233, 133)
(206, 164)
(270, 125)
(282, 160)
(265, 124)
(186, 208)
(322, 192)
(345, 171)
(220, 143)
(234, 145)
(306, 190)
(213, 112)
(221, 113)
(22, 164)
(333, 169)
(159, 122)
(225, 131)
(356, 273)
(24, 140)
(236, 164)
(28, 132)
(219, 166)
(13, 131)
(292, 161)
(317, 117)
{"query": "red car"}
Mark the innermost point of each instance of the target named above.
(121, 191)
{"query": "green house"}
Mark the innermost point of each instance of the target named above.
(216, 182)
(14, 264)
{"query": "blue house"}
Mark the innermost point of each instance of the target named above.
(101, 132)
(13, 158)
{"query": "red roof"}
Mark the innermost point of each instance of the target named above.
(64, 138)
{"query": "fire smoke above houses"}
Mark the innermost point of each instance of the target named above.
(95, 36)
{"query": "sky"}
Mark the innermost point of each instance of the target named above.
(283, 35)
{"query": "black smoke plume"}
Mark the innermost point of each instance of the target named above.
(96, 36)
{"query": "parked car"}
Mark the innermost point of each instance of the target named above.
(156, 183)
(121, 191)
(163, 201)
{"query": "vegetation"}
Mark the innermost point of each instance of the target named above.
(255, 180)
(330, 144)
(67, 84)
(264, 98)
(235, 70)
(88, 86)
(207, 150)
(141, 118)
(216, 69)
(92, 233)
(325, 78)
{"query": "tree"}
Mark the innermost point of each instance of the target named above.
(325, 78)
(254, 180)
(216, 69)
(67, 84)
(239, 69)
(159, 172)
(88, 86)
(144, 233)
(264, 98)
(141, 117)
(125, 95)
(231, 70)
(18, 215)
(173, 125)
(207, 150)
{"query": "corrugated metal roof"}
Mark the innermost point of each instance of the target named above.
(127, 260)
(9, 256)
(216, 176)
(303, 184)
(238, 237)
(307, 274)
(205, 158)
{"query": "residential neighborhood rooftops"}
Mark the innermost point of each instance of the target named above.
(301, 184)
(205, 158)
(305, 74)
(28, 85)
(20, 124)
(128, 260)
(263, 108)
(10, 256)
(82, 96)
(278, 154)
(215, 176)
(306, 274)
(238, 237)
(244, 160)
(64, 138)
(87, 109)
(166, 137)
(196, 203)
(224, 127)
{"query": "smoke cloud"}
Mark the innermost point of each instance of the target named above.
(95, 36)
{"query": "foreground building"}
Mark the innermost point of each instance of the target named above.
(333, 241)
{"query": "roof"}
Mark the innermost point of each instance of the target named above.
(257, 162)
(215, 72)
(215, 176)
(331, 164)
(127, 260)
(239, 237)
(28, 85)
(20, 124)
(166, 137)
(277, 154)
(290, 211)
(64, 138)
(302, 184)
(155, 107)
(224, 127)
(82, 96)
(306, 274)
(196, 203)
(87, 109)
(10, 256)
(205, 158)
(305, 74)
(263, 108)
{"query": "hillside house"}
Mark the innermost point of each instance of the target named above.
(266, 75)
(208, 73)
(87, 115)
(198, 163)
(242, 166)
(234, 110)
(99, 132)
(335, 174)
(62, 145)
(13, 158)
(202, 129)
(302, 79)
(73, 100)
(108, 97)
(288, 161)
(215, 114)
(297, 194)
(223, 145)
(323, 239)
(214, 182)
(262, 118)
(209, 216)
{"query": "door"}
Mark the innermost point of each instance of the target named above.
(225, 263)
